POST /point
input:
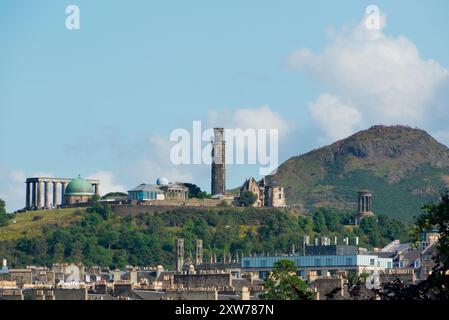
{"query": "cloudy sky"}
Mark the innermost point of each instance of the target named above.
(102, 101)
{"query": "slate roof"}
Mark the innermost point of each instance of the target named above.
(147, 188)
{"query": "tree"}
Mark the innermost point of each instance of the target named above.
(247, 198)
(435, 218)
(284, 284)
(195, 191)
(3, 215)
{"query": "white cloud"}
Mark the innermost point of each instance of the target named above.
(336, 118)
(381, 77)
(12, 188)
(246, 118)
(108, 182)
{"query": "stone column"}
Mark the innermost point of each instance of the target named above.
(46, 202)
(97, 189)
(63, 185)
(27, 202)
(39, 195)
(55, 194)
(33, 195)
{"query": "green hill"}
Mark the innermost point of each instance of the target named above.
(403, 167)
(100, 236)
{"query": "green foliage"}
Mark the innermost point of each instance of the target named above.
(3, 215)
(95, 198)
(114, 195)
(284, 284)
(102, 237)
(105, 211)
(247, 198)
(435, 218)
(195, 191)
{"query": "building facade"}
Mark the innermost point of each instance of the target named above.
(268, 193)
(162, 190)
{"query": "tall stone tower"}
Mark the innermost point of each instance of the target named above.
(218, 163)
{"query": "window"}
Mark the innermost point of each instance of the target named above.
(371, 262)
(328, 261)
(318, 262)
(280, 195)
(263, 263)
(348, 261)
(246, 263)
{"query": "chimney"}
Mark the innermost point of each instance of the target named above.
(335, 241)
(4, 263)
(356, 241)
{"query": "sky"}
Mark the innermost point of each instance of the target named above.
(101, 101)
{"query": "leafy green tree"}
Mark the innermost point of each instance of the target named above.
(284, 284)
(247, 198)
(370, 228)
(195, 191)
(3, 216)
(435, 218)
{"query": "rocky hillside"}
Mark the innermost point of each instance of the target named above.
(404, 167)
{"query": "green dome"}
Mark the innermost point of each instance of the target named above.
(79, 187)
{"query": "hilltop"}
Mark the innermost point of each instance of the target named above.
(404, 167)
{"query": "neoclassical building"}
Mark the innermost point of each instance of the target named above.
(51, 192)
(78, 190)
(268, 193)
(162, 190)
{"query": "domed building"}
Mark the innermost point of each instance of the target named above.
(79, 190)
(162, 181)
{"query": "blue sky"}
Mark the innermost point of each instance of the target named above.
(101, 101)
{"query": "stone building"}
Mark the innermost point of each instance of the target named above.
(48, 189)
(268, 193)
(78, 190)
(162, 190)
(364, 205)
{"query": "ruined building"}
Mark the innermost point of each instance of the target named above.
(268, 192)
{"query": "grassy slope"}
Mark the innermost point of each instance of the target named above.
(25, 225)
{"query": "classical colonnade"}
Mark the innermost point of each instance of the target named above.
(365, 202)
(37, 186)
